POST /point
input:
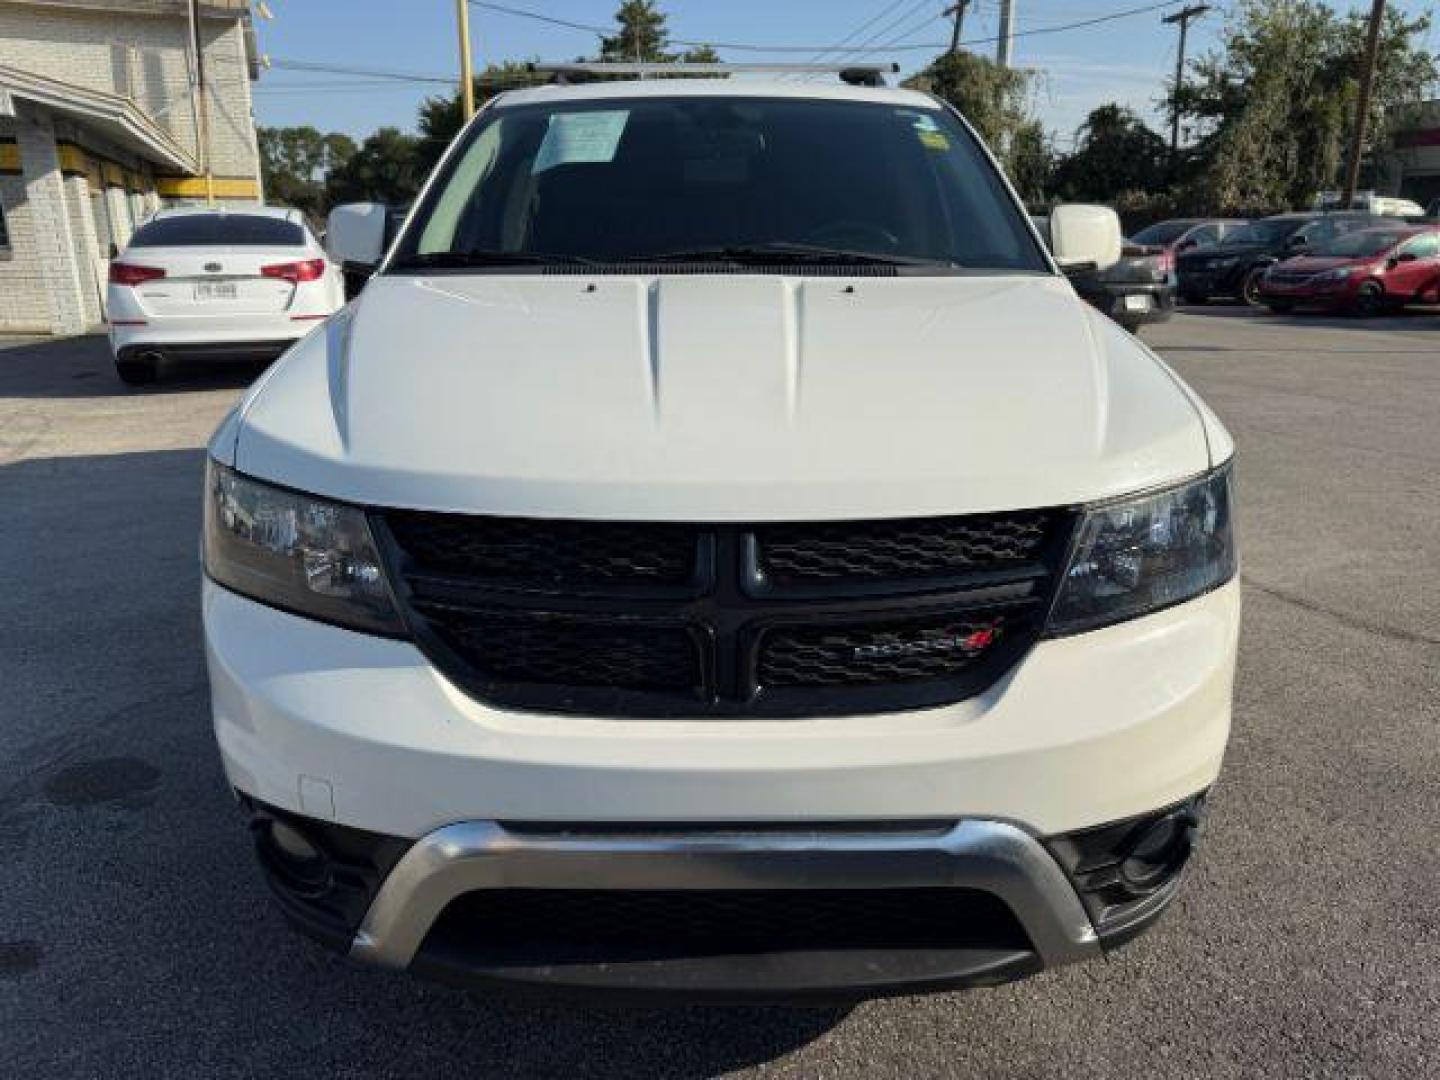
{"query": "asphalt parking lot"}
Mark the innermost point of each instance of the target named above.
(136, 938)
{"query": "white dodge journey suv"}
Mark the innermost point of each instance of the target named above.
(718, 554)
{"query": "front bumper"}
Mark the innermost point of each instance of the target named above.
(717, 913)
(343, 735)
(1137, 303)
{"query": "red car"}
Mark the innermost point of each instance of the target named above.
(1369, 271)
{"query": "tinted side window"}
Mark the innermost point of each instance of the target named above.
(219, 230)
(1424, 247)
(1205, 234)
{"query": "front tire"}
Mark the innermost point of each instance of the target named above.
(136, 372)
(1250, 290)
(1370, 299)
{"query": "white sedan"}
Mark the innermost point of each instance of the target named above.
(229, 284)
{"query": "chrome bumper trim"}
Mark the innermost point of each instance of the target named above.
(996, 857)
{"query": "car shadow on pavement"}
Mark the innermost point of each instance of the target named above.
(81, 367)
(129, 872)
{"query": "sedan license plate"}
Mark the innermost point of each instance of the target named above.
(1137, 302)
(217, 290)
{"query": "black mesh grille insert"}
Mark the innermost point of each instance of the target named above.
(899, 550)
(549, 555)
(691, 620)
(868, 653)
(568, 923)
(570, 651)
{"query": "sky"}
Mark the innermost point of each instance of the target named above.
(1125, 59)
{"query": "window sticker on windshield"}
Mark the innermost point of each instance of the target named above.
(579, 137)
(929, 132)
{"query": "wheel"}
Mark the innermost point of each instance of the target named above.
(136, 372)
(1280, 307)
(1370, 299)
(1250, 291)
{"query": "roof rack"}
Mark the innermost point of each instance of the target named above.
(854, 74)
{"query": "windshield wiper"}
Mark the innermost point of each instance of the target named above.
(443, 260)
(787, 253)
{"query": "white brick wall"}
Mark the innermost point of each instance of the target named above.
(144, 56)
(54, 245)
(23, 306)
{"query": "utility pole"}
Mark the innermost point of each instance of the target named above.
(1007, 33)
(958, 11)
(1362, 106)
(467, 64)
(199, 104)
(1183, 17)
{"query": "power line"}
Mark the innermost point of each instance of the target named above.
(886, 10)
(894, 46)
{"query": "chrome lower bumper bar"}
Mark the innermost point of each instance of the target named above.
(997, 858)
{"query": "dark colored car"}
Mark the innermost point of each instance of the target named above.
(1179, 235)
(1367, 271)
(1135, 291)
(1233, 267)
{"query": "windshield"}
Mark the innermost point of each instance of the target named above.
(219, 230)
(1162, 232)
(627, 180)
(1267, 231)
(1361, 244)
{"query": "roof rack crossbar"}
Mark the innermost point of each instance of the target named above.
(854, 74)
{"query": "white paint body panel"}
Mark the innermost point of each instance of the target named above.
(1085, 730)
(720, 397)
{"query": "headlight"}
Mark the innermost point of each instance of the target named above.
(295, 552)
(1138, 555)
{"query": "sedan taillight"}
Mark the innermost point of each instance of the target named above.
(296, 272)
(130, 274)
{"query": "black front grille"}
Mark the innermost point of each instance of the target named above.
(642, 619)
(572, 924)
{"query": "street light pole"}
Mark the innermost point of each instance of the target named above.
(1362, 105)
(1007, 33)
(1183, 17)
(467, 65)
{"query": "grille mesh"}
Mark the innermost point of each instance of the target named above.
(871, 653)
(569, 651)
(704, 922)
(898, 550)
(548, 554)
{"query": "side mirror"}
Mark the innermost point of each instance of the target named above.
(355, 238)
(1085, 233)
(1186, 245)
(1296, 243)
(1403, 257)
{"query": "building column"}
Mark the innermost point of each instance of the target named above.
(117, 201)
(87, 246)
(54, 240)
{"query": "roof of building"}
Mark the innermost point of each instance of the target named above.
(117, 117)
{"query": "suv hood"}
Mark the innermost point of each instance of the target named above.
(719, 397)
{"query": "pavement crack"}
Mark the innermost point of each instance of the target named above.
(1393, 633)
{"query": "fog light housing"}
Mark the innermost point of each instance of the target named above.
(1128, 872)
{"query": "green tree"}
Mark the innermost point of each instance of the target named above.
(294, 162)
(996, 101)
(441, 118)
(384, 169)
(1272, 107)
(1114, 152)
(643, 37)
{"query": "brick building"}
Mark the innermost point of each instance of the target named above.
(98, 128)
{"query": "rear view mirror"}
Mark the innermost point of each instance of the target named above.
(355, 238)
(1085, 233)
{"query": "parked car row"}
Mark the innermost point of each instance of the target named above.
(1337, 260)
